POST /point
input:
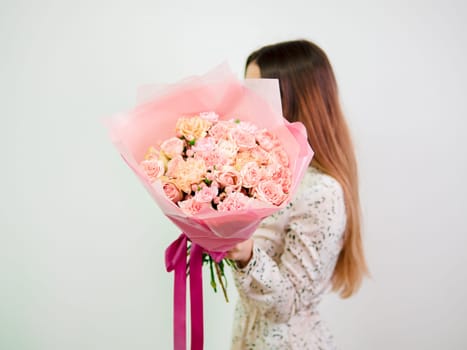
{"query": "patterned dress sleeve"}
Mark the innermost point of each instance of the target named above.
(311, 236)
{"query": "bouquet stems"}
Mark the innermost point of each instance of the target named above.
(216, 271)
(220, 274)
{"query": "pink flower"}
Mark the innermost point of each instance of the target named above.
(210, 116)
(206, 144)
(243, 158)
(270, 191)
(206, 194)
(221, 130)
(251, 174)
(248, 127)
(227, 149)
(278, 155)
(229, 177)
(281, 175)
(192, 171)
(173, 166)
(191, 206)
(172, 191)
(266, 139)
(207, 149)
(260, 155)
(286, 182)
(244, 139)
(192, 128)
(153, 168)
(234, 201)
(172, 147)
(212, 159)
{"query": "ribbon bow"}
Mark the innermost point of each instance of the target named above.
(175, 260)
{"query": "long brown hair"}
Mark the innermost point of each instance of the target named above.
(309, 95)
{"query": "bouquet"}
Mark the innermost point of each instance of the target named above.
(224, 165)
(217, 156)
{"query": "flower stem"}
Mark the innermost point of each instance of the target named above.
(213, 281)
(219, 277)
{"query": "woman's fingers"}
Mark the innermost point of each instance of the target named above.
(242, 252)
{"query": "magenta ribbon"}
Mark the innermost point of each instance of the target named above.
(175, 260)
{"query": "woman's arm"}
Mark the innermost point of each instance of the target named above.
(312, 241)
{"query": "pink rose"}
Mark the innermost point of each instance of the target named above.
(192, 171)
(270, 191)
(191, 206)
(172, 147)
(244, 139)
(234, 201)
(153, 168)
(251, 174)
(221, 130)
(173, 166)
(266, 139)
(248, 127)
(212, 155)
(206, 144)
(227, 149)
(206, 194)
(279, 155)
(192, 128)
(282, 176)
(260, 155)
(243, 158)
(212, 159)
(172, 191)
(286, 182)
(229, 177)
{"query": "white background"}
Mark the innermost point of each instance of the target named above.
(82, 243)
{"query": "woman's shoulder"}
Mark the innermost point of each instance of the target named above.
(320, 190)
(316, 181)
(321, 197)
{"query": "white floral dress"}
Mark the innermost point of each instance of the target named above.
(294, 255)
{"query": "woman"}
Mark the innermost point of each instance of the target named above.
(315, 241)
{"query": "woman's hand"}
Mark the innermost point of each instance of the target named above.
(241, 253)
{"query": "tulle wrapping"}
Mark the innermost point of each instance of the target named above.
(154, 119)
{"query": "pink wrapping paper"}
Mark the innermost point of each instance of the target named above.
(154, 119)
